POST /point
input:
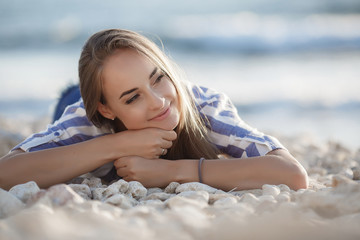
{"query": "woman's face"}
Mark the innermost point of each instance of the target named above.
(138, 93)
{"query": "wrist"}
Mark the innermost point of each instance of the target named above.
(113, 149)
(185, 170)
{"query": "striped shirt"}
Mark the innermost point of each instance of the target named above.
(226, 129)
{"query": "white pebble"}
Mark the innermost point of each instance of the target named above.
(158, 195)
(283, 197)
(228, 201)
(153, 190)
(178, 201)
(216, 196)
(121, 201)
(284, 188)
(338, 180)
(120, 186)
(196, 195)
(152, 203)
(347, 172)
(61, 194)
(9, 204)
(136, 190)
(82, 189)
(92, 182)
(267, 198)
(249, 198)
(171, 187)
(356, 173)
(195, 186)
(25, 191)
(97, 193)
(270, 190)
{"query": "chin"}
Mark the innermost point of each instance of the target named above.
(170, 125)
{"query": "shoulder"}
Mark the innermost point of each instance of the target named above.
(206, 95)
(213, 103)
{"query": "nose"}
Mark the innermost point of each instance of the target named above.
(156, 101)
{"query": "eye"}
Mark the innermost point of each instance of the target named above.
(132, 99)
(158, 79)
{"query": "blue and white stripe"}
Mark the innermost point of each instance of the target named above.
(226, 129)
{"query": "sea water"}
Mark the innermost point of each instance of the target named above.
(289, 68)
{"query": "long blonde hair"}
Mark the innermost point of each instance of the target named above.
(192, 141)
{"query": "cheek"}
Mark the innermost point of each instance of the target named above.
(133, 119)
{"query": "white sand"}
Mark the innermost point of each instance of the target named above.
(86, 209)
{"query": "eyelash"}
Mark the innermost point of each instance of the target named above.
(157, 80)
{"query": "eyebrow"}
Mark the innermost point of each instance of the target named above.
(153, 72)
(128, 92)
(134, 89)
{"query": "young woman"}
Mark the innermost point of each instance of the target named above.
(136, 116)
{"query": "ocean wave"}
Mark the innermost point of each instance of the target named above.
(230, 27)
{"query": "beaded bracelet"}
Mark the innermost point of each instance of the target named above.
(199, 169)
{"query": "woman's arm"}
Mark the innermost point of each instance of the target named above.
(277, 167)
(56, 165)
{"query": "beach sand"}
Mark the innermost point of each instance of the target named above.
(85, 208)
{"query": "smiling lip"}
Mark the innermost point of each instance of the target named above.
(162, 115)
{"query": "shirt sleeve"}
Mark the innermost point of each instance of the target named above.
(72, 127)
(227, 130)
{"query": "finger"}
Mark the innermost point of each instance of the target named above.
(122, 172)
(120, 163)
(169, 135)
(163, 151)
(166, 144)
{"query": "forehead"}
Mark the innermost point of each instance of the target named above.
(126, 65)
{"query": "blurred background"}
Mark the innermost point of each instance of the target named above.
(291, 67)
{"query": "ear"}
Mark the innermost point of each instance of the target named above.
(105, 111)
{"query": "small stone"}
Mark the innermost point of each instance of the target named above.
(56, 195)
(219, 191)
(76, 180)
(347, 172)
(356, 173)
(171, 187)
(153, 190)
(196, 195)
(82, 189)
(25, 191)
(97, 193)
(92, 182)
(270, 190)
(152, 203)
(250, 198)
(136, 189)
(121, 186)
(158, 195)
(284, 188)
(283, 197)
(227, 201)
(121, 200)
(267, 198)
(195, 186)
(340, 180)
(179, 201)
(61, 194)
(216, 196)
(9, 204)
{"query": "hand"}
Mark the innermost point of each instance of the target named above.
(148, 143)
(149, 172)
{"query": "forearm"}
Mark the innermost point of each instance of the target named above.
(56, 165)
(244, 173)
